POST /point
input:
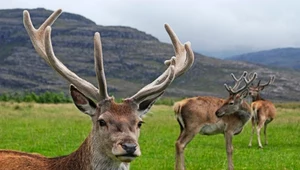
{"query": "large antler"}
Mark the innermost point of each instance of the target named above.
(234, 90)
(239, 80)
(183, 60)
(41, 40)
(272, 78)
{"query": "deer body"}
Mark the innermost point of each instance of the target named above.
(81, 159)
(113, 141)
(263, 112)
(208, 115)
(197, 115)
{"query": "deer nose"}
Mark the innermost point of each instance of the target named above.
(129, 147)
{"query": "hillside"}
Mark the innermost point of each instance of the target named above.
(280, 57)
(132, 59)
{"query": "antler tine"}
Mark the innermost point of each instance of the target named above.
(245, 87)
(41, 40)
(271, 80)
(252, 79)
(156, 88)
(177, 65)
(239, 80)
(247, 83)
(37, 35)
(84, 86)
(228, 88)
(184, 56)
(258, 83)
(99, 67)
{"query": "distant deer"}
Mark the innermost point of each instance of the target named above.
(211, 115)
(263, 111)
(113, 141)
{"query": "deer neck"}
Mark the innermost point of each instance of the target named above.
(256, 98)
(87, 157)
(244, 113)
(79, 159)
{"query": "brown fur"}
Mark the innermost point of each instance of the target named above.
(13, 160)
(198, 115)
(78, 160)
(265, 109)
(120, 117)
(263, 112)
(189, 107)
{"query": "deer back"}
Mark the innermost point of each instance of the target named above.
(265, 107)
(197, 110)
(10, 160)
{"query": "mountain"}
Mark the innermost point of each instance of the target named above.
(280, 57)
(132, 59)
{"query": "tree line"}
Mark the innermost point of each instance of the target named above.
(58, 97)
(46, 97)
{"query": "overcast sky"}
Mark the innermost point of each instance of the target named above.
(214, 27)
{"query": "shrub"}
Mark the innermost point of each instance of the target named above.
(47, 97)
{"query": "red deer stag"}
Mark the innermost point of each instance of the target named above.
(263, 111)
(113, 141)
(211, 115)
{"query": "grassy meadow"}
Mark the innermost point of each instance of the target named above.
(58, 129)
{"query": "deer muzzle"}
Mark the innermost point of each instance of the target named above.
(127, 151)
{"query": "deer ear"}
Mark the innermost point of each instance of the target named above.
(83, 103)
(146, 105)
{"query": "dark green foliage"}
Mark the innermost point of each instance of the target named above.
(47, 97)
(166, 101)
(53, 97)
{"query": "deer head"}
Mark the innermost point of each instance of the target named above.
(116, 126)
(254, 90)
(236, 95)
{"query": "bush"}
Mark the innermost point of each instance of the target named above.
(55, 97)
(47, 97)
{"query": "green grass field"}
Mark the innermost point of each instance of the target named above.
(58, 129)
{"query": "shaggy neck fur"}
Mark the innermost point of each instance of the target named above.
(87, 157)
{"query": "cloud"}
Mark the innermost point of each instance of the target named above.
(214, 27)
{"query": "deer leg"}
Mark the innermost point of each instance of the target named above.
(265, 133)
(229, 149)
(265, 129)
(259, 126)
(253, 129)
(184, 138)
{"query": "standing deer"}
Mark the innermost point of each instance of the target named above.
(113, 141)
(263, 111)
(211, 115)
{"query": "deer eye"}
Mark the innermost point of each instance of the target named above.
(231, 103)
(140, 124)
(102, 122)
